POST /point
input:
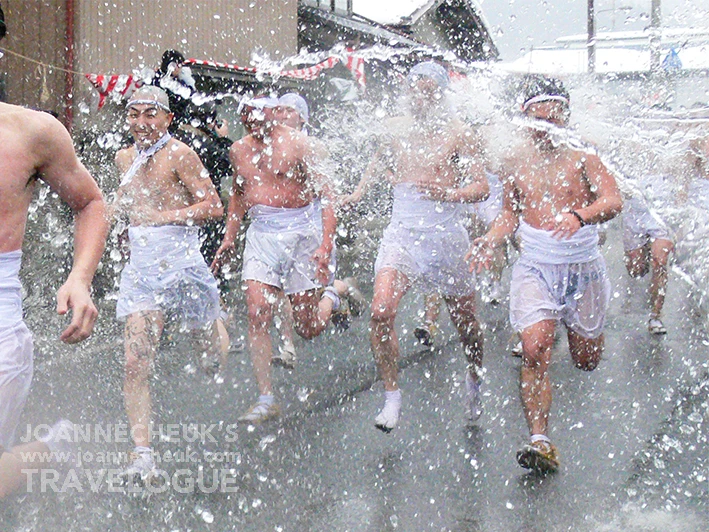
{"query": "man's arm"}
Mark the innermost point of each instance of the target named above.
(471, 165)
(236, 210)
(60, 168)
(195, 177)
(501, 229)
(609, 202)
(314, 168)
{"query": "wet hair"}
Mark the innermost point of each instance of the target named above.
(537, 88)
(170, 56)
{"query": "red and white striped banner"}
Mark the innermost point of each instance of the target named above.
(118, 86)
(122, 86)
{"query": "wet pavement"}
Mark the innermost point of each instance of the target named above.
(632, 434)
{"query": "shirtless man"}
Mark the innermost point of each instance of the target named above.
(428, 156)
(555, 195)
(34, 145)
(165, 192)
(289, 243)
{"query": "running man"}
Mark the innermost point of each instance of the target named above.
(555, 195)
(289, 244)
(647, 243)
(435, 163)
(36, 146)
(482, 215)
(166, 193)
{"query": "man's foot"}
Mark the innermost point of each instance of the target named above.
(355, 298)
(389, 415)
(473, 401)
(655, 326)
(516, 350)
(141, 469)
(539, 456)
(285, 357)
(260, 412)
(425, 334)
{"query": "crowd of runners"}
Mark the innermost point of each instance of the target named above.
(546, 198)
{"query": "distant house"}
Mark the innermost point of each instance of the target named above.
(117, 37)
(455, 26)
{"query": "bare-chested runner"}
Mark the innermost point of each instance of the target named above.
(554, 195)
(435, 163)
(165, 192)
(289, 243)
(34, 145)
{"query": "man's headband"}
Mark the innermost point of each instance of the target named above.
(148, 101)
(544, 98)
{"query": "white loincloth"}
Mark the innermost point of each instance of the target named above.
(167, 273)
(280, 243)
(16, 349)
(560, 280)
(427, 241)
(640, 227)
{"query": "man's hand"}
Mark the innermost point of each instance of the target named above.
(565, 225)
(223, 255)
(321, 258)
(480, 256)
(74, 295)
(434, 191)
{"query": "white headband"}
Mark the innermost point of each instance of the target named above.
(544, 98)
(156, 103)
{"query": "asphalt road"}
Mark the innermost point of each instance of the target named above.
(632, 434)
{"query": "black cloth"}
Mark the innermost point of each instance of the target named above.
(213, 151)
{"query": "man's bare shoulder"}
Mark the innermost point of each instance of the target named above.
(36, 127)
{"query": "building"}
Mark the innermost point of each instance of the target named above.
(47, 38)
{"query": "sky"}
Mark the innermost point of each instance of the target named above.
(519, 25)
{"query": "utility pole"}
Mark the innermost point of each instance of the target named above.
(591, 42)
(655, 35)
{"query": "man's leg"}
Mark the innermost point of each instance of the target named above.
(637, 261)
(535, 390)
(141, 340)
(29, 456)
(260, 301)
(660, 250)
(432, 310)
(535, 386)
(285, 323)
(585, 352)
(462, 311)
(209, 345)
(312, 312)
(389, 287)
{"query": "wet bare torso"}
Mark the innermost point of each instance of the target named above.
(548, 182)
(420, 152)
(156, 185)
(19, 162)
(273, 171)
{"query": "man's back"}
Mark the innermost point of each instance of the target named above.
(31, 142)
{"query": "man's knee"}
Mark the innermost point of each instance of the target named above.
(536, 349)
(637, 265)
(259, 313)
(383, 313)
(587, 353)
